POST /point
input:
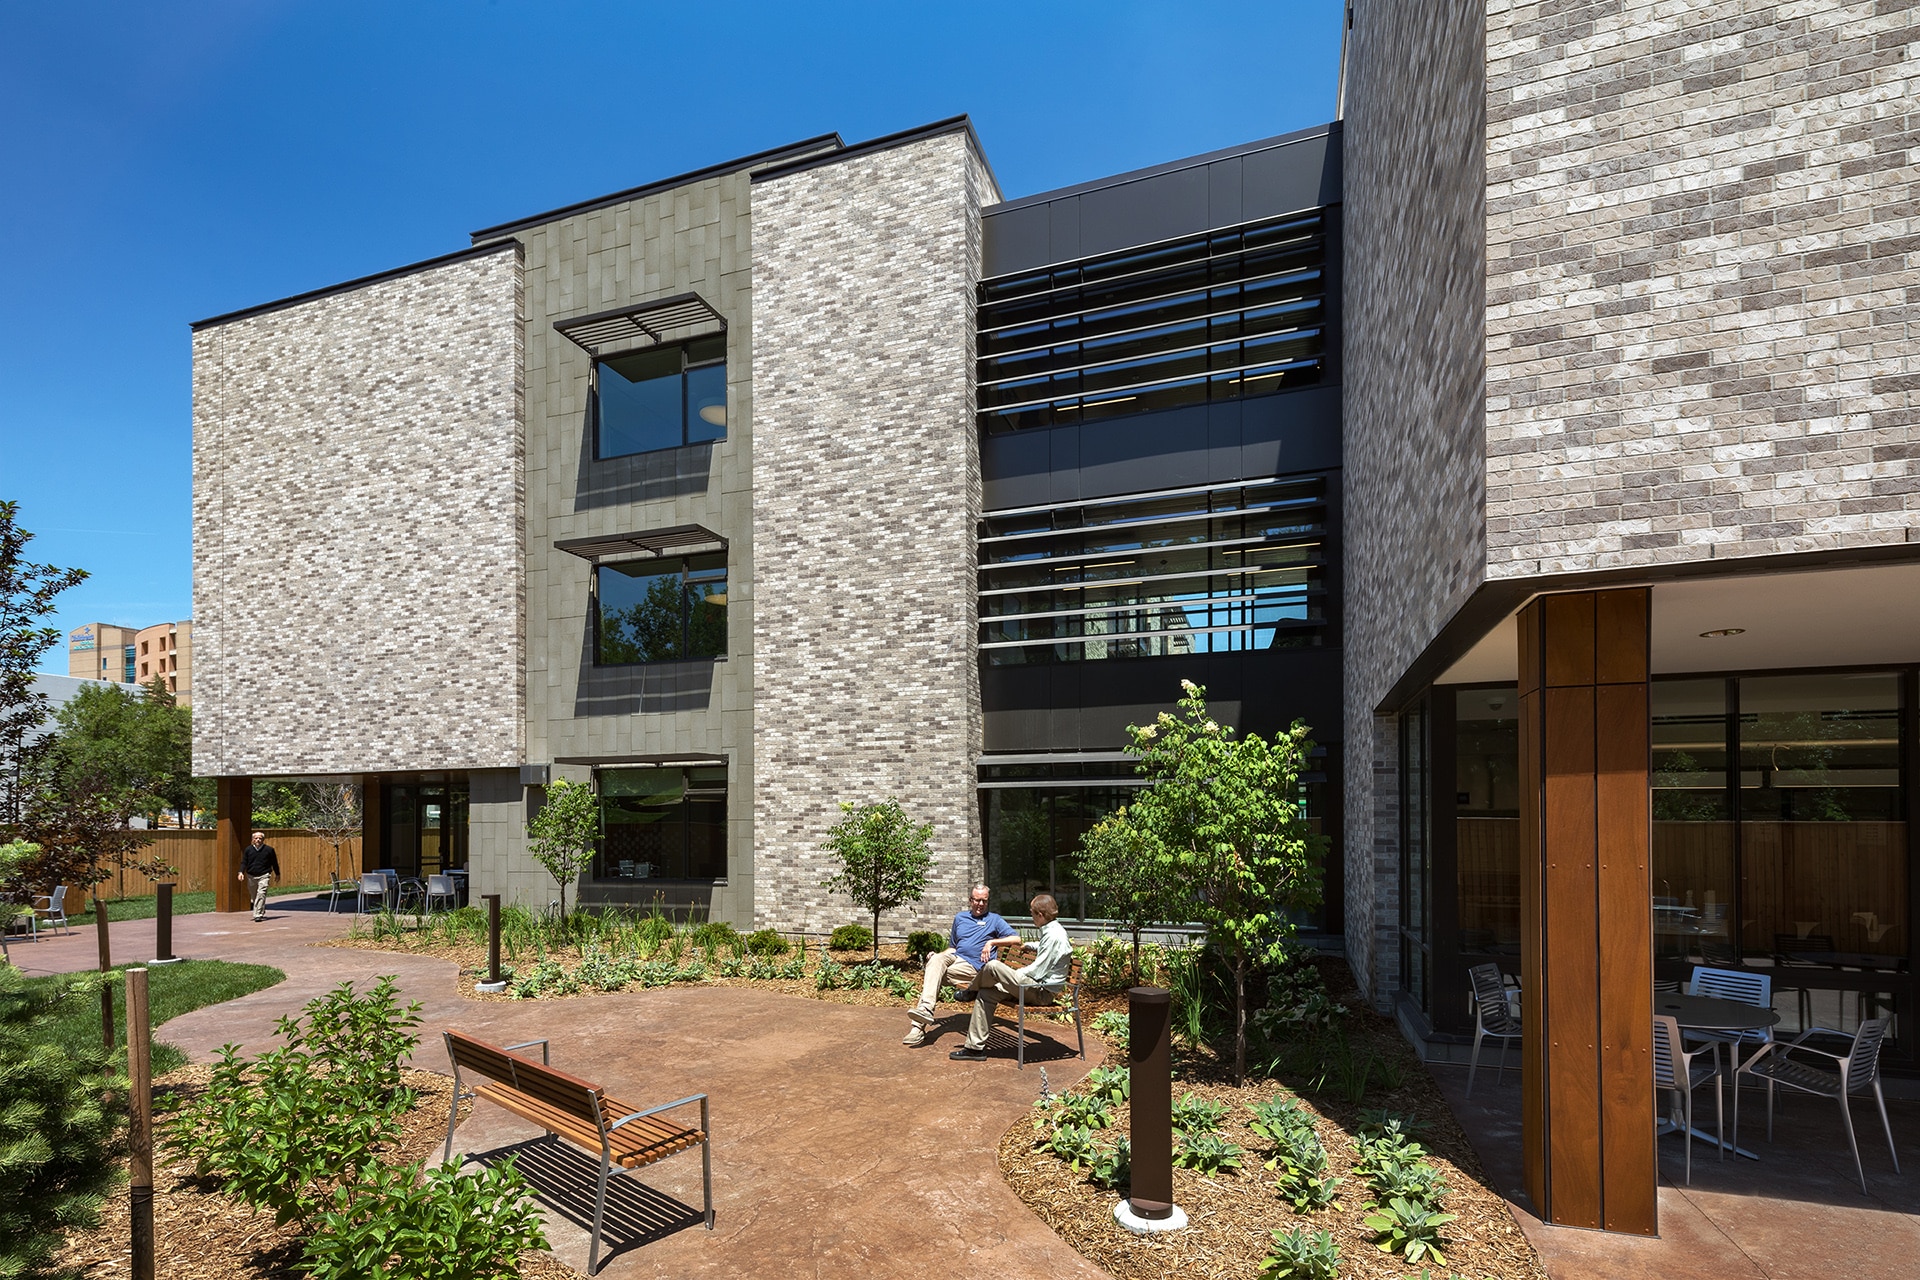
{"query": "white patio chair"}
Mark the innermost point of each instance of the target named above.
(373, 886)
(339, 889)
(54, 910)
(1673, 1070)
(1755, 989)
(1493, 1017)
(1798, 1065)
(441, 888)
(1067, 993)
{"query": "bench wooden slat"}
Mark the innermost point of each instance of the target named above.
(640, 1143)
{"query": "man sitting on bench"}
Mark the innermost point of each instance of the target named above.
(1000, 981)
(976, 931)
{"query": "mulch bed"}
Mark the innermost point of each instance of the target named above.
(200, 1234)
(1232, 1215)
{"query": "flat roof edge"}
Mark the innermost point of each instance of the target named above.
(393, 273)
(1331, 129)
(829, 143)
(886, 142)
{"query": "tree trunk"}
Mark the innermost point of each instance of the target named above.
(1136, 956)
(876, 935)
(1239, 1019)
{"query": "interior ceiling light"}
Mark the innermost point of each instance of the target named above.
(714, 415)
(1723, 631)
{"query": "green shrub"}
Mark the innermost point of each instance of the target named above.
(878, 977)
(1073, 1145)
(922, 943)
(831, 975)
(1115, 1026)
(765, 942)
(1413, 1229)
(715, 934)
(546, 977)
(851, 937)
(1304, 1181)
(438, 1227)
(61, 1112)
(1197, 1115)
(1112, 1167)
(1112, 1083)
(1087, 1111)
(1206, 1153)
(1300, 1255)
(1280, 1119)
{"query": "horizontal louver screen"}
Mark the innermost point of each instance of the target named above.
(1219, 317)
(1216, 570)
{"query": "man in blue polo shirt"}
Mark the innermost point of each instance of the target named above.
(971, 941)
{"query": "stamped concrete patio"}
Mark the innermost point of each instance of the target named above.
(836, 1151)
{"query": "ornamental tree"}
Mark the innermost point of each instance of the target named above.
(1222, 813)
(884, 859)
(1124, 865)
(562, 835)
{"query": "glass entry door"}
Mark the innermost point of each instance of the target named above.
(426, 826)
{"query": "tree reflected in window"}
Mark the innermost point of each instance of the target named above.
(648, 612)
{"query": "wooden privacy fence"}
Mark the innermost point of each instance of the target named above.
(305, 858)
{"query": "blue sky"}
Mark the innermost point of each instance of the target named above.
(164, 163)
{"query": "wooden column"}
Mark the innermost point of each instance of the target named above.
(233, 816)
(372, 826)
(1586, 911)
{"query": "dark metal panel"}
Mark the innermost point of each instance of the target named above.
(1224, 201)
(1065, 222)
(1152, 451)
(1067, 484)
(1296, 431)
(1158, 208)
(1016, 239)
(1302, 175)
(1017, 469)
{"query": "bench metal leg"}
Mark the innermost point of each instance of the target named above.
(1020, 1053)
(706, 1161)
(453, 1113)
(599, 1211)
(1078, 1030)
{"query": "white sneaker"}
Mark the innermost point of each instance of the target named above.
(915, 1038)
(925, 1021)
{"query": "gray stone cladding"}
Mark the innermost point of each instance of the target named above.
(866, 496)
(358, 590)
(1414, 446)
(694, 238)
(1703, 281)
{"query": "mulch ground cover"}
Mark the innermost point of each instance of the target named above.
(200, 1234)
(1232, 1215)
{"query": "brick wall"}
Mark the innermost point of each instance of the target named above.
(866, 492)
(1414, 538)
(1701, 281)
(358, 589)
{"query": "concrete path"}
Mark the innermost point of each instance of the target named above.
(836, 1150)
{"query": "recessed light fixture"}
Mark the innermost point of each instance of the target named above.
(1723, 631)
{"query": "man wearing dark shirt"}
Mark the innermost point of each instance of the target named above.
(259, 864)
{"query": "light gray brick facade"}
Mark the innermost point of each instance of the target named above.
(866, 495)
(358, 528)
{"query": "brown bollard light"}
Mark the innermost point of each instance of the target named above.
(1150, 1206)
(106, 966)
(163, 923)
(494, 982)
(140, 1131)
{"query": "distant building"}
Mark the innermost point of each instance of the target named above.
(134, 655)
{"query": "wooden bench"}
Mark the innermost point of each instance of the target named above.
(568, 1107)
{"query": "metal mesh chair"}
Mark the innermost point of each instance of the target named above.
(441, 889)
(1755, 989)
(1040, 997)
(339, 889)
(1785, 947)
(1492, 1016)
(373, 886)
(52, 908)
(1797, 1065)
(1674, 1071)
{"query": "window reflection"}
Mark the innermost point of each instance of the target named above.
(1693, 837)
(1487, 819)
(660, 398)
(660, 610)
(662, 824)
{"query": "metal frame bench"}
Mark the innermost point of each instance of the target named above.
(571, 1108)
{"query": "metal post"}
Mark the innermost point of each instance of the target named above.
(1150, 1207)
(140, 1136)
(163, 923)
(494, 981)
(106, 966)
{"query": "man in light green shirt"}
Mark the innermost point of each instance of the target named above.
(999, 980)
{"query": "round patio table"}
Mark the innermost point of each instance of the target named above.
(1709, 1013)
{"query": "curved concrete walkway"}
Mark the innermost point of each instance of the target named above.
(836, 1150)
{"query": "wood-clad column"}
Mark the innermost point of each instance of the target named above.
(372, 825)
(233, 817)
(1586, 911)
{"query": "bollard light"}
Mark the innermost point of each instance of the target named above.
(494, 983)
(163, 924)
(1149, 1207)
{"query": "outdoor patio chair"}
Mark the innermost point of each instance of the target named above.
(338, 890)
(412, 894)
(1042, 997)
(1798, 1065)
(52, 907)
(1755, 989)
(373, 886)
(1785, 945)
(1492, 1016)
(1721, 955)
(442, 889)
(1674, 1071)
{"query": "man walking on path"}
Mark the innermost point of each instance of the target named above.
(259, 864)
(976, 931)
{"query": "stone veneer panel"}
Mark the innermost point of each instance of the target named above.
(866, 496)
(357, 473)
(1703, 267)
(1414, 441)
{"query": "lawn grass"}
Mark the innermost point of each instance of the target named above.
(172, 989)
(184, 904)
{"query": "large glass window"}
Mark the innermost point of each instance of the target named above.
(660, 610)
(662, 824)
(660, 398)
(1693, 837)
(1486, 806)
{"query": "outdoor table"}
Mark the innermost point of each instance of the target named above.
(1707, 1013)
(1847, 960)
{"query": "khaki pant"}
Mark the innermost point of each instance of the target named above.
(998, 981)
(944, 969)
(259, 886)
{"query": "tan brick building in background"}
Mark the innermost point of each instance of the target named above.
(134, 655)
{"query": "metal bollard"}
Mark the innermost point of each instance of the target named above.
(163, 923)
(140, 1131)
(494, 982)
(1150, 1206)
